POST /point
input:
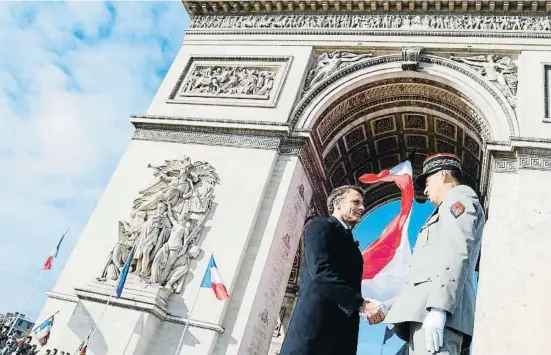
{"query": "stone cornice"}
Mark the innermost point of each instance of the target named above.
(270, 139)
(520, 153)
(331, 6)
(124, 304)
(225, 124)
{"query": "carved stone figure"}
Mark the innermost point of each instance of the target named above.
(129, 233)
(231, 80)
(500, 70)
(167, 220)
(329, 63)
(429, 22)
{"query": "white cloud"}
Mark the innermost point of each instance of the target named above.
(71, 74)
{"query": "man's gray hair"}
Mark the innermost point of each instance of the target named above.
(338, 194)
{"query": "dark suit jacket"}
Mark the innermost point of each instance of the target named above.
(326, 317)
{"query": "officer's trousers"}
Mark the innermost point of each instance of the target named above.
(452, 341)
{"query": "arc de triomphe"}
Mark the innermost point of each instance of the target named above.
(267, 107)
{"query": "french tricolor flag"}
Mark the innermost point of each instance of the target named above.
(212, 279)
(53, 255)
(387, 259)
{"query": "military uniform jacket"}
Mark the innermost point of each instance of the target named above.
(442, 267)
(326, 316)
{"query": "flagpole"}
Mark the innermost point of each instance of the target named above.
(126, 269)
(30, 293)
(26, 301)
(187, 321)
(96, 326)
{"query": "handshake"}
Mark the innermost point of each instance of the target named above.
(373, 311)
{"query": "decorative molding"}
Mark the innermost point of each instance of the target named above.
(528, 158)
(338, 7)
(194, 323)
(546, 93)
(508, 111)
(446, 24)
(234, 81)
(411, 57)
(221, 136)
(279, 125)
(167, 318)
(62, 296)
(382, 94)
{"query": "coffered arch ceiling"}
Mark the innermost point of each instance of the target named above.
(378, 124)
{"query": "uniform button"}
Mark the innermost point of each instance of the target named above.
(448, 268)
(452, 280)
(443, 285)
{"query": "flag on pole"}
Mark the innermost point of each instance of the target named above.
(42, 332)
(84, 345)
(124, 274)
(212, 279)
(386, 260)
(389, 333)
(53, 255)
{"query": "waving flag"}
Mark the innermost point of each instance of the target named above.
(53, 255)
(386, 260)
(42, 332)
(212, 279)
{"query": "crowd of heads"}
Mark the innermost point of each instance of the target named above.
(15, 344)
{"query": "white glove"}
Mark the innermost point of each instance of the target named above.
(434, 329)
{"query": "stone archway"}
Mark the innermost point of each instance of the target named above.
(369, 116)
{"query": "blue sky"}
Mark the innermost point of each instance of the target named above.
(71, 74)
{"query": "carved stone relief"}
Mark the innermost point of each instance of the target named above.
(522, 158)
(329, 63)
(411, 57)
(233, 81)
(254, 81)
(417, 91)
(476, 24)
(166, 223)
(499, 70)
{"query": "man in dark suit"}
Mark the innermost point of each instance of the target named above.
(329, 304)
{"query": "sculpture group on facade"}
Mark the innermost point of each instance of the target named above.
(230, 80)
(388, 21)
(500, 70)
(166, 223)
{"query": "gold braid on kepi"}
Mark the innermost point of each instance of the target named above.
(435, 163)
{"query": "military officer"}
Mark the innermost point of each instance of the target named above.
(434, 312)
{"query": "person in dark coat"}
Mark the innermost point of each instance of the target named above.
(327, 313)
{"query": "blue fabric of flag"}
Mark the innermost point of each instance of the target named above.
(207, 278)
(124, 274)
(44, 324)
(389, 333)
